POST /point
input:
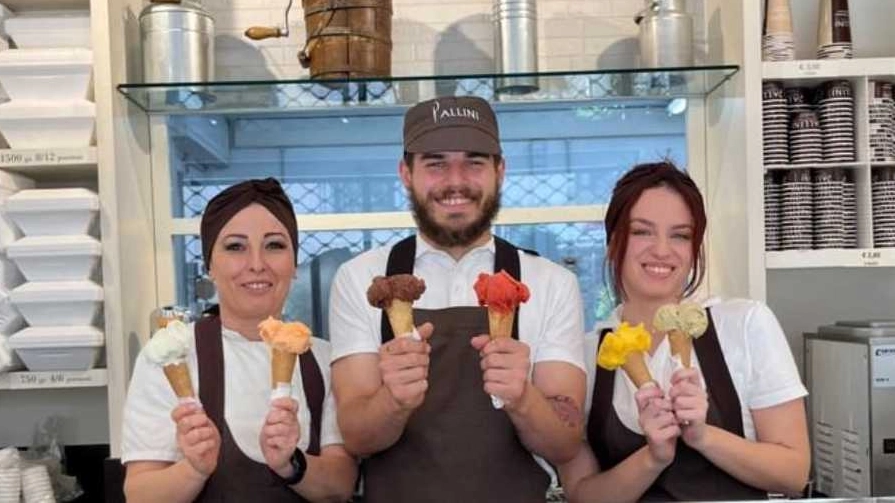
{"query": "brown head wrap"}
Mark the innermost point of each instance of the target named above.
(233, 199)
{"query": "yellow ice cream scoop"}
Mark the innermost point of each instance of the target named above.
(624, 348)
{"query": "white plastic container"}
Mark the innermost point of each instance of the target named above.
(43, 212)
(56, 258)
(50, 303)
(46, 74)
(45, 124)
(58, 348)
(50, 29)
(10, 183)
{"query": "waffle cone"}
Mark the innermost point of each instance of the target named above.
(500, 324)
(178, 375)
(400, 317)
(635, 367)
(681, 345)
(282, 365)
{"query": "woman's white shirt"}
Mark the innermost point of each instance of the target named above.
(755, 350)
(149, 434)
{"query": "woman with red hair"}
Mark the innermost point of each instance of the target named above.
(732, 426)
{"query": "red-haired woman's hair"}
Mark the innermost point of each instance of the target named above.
(618, 219)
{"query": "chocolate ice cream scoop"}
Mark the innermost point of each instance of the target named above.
(385, 289)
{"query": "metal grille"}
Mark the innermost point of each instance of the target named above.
(577, 246)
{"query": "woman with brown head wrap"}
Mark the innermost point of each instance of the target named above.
(238, 444)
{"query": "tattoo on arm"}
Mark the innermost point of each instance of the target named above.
(566, 410)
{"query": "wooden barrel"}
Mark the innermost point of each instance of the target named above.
(348, 38)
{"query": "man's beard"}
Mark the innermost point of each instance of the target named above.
(452, 238)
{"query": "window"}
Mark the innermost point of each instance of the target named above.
(563, 160)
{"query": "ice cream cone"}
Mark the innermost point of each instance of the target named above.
(635, 367)
(500, 324)
(282, 366)
(681, 345)
(178, 375)
(400, 317)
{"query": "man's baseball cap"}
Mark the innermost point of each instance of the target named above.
(461, 124)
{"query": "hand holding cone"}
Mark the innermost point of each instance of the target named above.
(683, 323)
(287, 341)
(501, 294)
(396, 295)
(624, 348)
(168, 348)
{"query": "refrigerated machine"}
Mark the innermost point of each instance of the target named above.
(850, 372)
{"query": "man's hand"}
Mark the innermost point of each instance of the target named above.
(280, 435)
(506, 365)
(404, 365)
(197, 437)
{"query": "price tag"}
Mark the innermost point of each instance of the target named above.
(809, 68)
(871, 258)
(16, 158)
(882, 366)
(31, 380)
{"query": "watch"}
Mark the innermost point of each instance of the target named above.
(299, 466)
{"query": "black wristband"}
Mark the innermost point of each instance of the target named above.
(299, 467)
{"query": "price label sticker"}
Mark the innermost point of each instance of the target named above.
(870, 258)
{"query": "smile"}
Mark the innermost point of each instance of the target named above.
(257, 286)
(661, 271)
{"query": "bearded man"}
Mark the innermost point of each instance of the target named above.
(417, 409)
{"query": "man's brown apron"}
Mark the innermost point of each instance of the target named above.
(691, 477)
(239, 478)
(456, 446)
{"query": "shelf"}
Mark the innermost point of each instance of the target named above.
(820, 69)
(294, 95)
(849, 165)
(49, 162)
(30, 5)
(52, 380)
(813, 259)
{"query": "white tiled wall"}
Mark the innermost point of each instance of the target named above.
(440, 36)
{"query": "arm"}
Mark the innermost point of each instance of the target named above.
(779, 459)
(584, 482)
(330, 476)
(548, 415)
(375, 394)
(200, 442)
(147, 481)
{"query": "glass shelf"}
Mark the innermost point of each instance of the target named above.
(295, 95)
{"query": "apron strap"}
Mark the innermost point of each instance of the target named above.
(717, 377)
(312, 382)
(402, 257)
(210, 355)
(601, 403)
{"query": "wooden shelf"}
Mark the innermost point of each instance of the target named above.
(813, 259)
(29, 5)
(53, 380)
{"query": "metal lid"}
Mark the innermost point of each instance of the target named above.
(162, 6)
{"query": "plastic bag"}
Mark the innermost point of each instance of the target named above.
(46, 455)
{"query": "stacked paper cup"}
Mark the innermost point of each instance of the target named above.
(882, 121)
(777, 44)
(36, 486)
(834, 31)
(771, 211)
(10, 476)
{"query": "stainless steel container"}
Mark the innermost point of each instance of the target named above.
(178, 42)
(666, 34)
(516, 44)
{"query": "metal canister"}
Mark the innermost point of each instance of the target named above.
(666, 34)
(178, 42)
(516, 44)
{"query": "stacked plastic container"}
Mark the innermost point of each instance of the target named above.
(47, 77)
(10, 276)
(59, 258)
